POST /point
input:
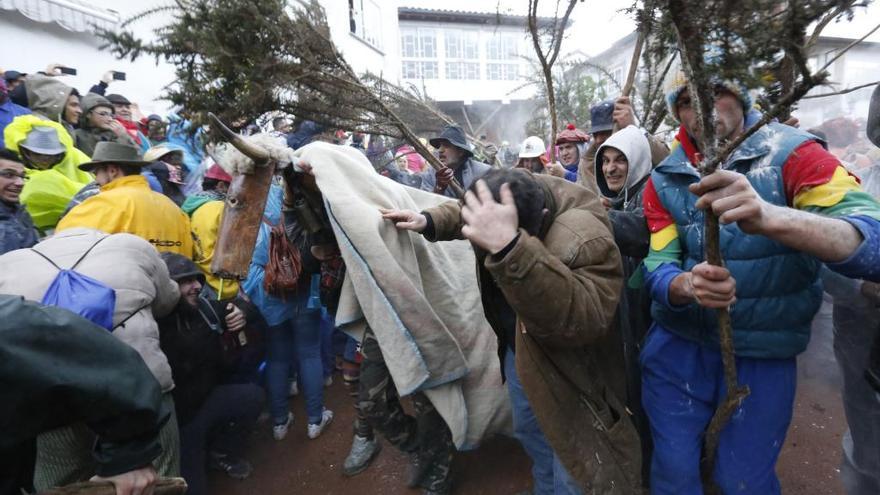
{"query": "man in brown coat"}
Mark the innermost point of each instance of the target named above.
(550, 279)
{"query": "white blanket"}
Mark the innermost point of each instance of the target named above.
(420, 298)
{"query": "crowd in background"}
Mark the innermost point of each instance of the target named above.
(96, 196)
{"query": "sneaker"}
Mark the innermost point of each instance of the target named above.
(294, 389)
(363, 451)
(328, 380)
(326, 419)
(280, 431)
(234, 467)
(351, 372)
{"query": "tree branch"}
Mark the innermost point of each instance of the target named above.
(842, 91)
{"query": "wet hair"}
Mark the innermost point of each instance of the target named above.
(277, 122)
(9, 155)
(209, 184)
(527, 194)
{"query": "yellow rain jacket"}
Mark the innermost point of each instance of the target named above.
(47, 192)
(127, 204)
(205, 229)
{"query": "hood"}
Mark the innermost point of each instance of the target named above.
(194, 201)
(632, 142)
(47, 96)
(89, 102)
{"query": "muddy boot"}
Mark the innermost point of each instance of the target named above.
(416, 470)
(363, 451)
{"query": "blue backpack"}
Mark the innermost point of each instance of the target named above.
(80, 294)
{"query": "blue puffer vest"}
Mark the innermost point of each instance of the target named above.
(777, 289)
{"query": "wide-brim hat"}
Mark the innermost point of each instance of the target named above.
(107, 152)
(454, 136)
(43, 140)
(157, 152)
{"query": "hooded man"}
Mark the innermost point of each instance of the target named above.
(53, 100)
(785, 206)
(126, 203)
(603, 116)
(456, 154)
(51, 161)
(535, 236)
(572, 145)
(205, 210)
(623, 167)
(215, 418)
(143, 291)
(166, 171)
(97, 124)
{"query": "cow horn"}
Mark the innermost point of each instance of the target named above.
(255, 153)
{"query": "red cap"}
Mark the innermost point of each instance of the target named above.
(572, 134)
(217, 172)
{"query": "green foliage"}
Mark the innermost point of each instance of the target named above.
(242, 58)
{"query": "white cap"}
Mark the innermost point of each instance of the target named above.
(532, 147)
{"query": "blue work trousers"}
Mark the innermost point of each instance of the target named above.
(682, 385)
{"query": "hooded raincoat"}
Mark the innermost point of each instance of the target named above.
(205, 210)
(47, 96)
(127, 204)
(47, 192)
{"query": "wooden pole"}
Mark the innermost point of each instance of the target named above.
(631, 75)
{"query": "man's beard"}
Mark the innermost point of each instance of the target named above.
(187, 309)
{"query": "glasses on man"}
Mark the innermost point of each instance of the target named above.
(12, 174)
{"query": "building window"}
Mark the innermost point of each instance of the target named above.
(418, 49)
(503, 57)
(462, 55)
(365, 21)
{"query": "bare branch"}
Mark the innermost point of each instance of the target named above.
(842, 91)
(846, 49)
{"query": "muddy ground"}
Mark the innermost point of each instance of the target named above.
(808, 464)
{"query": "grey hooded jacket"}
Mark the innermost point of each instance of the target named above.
(47, 97)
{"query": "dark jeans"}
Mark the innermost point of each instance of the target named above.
(425, 435)
(221, 425)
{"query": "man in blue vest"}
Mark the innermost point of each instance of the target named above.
(786, 207)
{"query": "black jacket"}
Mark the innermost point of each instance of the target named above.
(58, 369)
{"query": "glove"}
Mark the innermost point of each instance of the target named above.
(443, 177)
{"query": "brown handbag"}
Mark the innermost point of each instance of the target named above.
(285, 263)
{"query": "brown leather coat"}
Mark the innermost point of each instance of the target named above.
(564, 288)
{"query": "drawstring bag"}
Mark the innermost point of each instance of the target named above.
(81, 294)
(285, 264)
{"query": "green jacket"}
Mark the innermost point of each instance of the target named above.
(58, 368)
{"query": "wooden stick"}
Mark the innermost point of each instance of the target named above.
(631, 75)
(165, 486)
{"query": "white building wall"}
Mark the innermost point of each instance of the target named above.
(29, 46)
(360, 52)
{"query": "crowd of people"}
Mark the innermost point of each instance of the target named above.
(591, 273)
